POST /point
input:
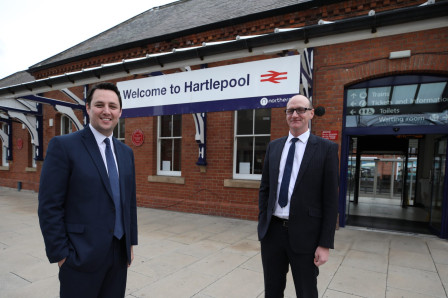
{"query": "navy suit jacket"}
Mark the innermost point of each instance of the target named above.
(314, 201)
(76, 208)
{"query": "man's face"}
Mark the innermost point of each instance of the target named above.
(104, 111)
(298, 123)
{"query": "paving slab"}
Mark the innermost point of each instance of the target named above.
(414, 260)
(416, 281)
(400, 293)
(366, 260)
(355, 281)
(237, 283)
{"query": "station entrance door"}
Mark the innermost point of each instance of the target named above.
(393, 154)
(396, 182)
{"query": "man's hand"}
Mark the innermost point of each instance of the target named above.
(61, 262)
(132, 255)
(321, 255)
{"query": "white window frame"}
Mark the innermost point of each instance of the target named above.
(159, 148)
(33, 156)
(5, 162)
(70, 125)
(235, 143)
(118, 133)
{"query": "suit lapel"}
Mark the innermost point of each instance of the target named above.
(92, 148)
(307, 156)
(277, 154)
(119, 153)
(274, 167)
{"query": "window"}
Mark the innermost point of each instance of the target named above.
(33, 156)
(66, 125)
(431, 93)
(403, 94)
(119, 131)
(4, 148)
(169, 144)
(31, 153)
(406, 100)
(252, 135)
(378, 96)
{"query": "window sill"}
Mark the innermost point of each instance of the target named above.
(167, 179)
(30, 169)
(4, 168)
(241, 183)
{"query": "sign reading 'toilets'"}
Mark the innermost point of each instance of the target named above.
(259, 84)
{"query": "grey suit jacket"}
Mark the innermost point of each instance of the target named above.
(314, 201)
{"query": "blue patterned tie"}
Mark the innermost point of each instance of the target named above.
(283, 196)
(115, 186)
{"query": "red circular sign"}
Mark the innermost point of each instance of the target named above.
(19, 143)
(137, 137)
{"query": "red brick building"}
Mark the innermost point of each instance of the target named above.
(379, 68)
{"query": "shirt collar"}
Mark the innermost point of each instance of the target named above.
(99, 137)
(303, 137)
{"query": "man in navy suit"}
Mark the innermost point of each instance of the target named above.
(87, 202)
(297, 216)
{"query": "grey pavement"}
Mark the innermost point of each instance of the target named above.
(190, 255)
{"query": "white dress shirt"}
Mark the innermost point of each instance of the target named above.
(99, 137)
(298, 156)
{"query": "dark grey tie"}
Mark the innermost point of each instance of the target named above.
(115, 186)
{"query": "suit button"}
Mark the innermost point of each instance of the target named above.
(111, 231)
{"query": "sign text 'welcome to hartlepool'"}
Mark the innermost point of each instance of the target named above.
(255, 84)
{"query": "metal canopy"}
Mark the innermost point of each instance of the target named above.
(28, 111)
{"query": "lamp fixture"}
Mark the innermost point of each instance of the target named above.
(400, 54)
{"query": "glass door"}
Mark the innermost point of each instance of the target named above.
(382, 181)
(352, 177)
(382, 184)
(437, 182)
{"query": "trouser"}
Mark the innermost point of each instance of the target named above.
(277, 256)
(109, 281)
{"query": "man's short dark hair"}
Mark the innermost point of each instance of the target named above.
(103, 86)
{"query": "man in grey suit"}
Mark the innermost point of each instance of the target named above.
(298, 202)
(87, 202)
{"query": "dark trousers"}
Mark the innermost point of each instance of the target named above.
(277, 256)
(108, 282)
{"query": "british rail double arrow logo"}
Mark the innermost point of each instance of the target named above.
(273, 76)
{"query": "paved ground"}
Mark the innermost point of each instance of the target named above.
(188, 255)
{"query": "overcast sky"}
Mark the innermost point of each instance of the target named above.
(34, 30)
